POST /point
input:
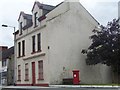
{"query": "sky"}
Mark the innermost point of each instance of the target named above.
(102, 10)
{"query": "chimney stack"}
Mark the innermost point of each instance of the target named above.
(2, 48)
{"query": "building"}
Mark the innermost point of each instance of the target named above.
(119, 9)
(49, 43)
(7, 65)
(2, 48)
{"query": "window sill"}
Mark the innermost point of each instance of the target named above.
(40, 79)
(21, 56)
(35, 26)
(20, 34)
(19, 80)
(33, 52)
(36, 51)
(26, 80)
(39, 51)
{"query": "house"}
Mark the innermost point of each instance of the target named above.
(49, 44)
(2, 48)
(7, 65)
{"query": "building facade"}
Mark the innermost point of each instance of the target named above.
(49, 44)
(7, 65)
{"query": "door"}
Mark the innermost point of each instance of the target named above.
(76, 77)
(33, 73)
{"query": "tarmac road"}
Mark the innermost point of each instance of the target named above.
(52, 88)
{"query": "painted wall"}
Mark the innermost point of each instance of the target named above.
(119, 9)
(68, 34)
(64, 34)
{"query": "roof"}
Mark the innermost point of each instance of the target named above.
(7, 53)
(43, 6)
(46, 9)
(26, 16)
(29, 24)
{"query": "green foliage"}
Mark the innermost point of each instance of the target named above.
(105, 47)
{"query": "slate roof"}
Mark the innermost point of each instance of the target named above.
(7, 53)
(43, 6)
(28, 17)
(46, 9)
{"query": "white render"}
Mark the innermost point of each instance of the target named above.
(119, 9)
(66, 32)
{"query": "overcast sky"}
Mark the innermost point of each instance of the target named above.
(102, 10)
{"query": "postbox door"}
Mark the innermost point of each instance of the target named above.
(76, 77)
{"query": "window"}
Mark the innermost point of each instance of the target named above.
(35, 19)
(23, 48)
(4, 63)
(33, 44)
(20, 28)
(26, 72)
(39, 42)
(19, 49)
(40, 70)
(19, 73)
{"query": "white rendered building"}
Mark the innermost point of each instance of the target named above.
(49, 43)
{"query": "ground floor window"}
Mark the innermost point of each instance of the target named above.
(40, 70)
(26, 72)
(19, 73)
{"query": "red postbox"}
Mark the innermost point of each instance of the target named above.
(76, 79)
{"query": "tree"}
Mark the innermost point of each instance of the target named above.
(105, 46)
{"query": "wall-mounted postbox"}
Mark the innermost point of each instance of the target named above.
(76, 79)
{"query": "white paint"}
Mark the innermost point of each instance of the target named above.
(66, 32)
(119, 9)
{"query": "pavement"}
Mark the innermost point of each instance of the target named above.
(59, 86)
(86, 86)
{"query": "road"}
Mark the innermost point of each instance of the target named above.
(47, 88)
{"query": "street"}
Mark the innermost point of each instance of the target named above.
(55, 88)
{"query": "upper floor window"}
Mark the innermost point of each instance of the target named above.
(23, 48)
(19, 49)
(35, 19)
(33, 43)
(4, 63)
(20, 28)
(39, 42)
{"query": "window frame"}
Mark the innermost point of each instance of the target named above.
(26, 72)
(21, 28)
(39, 42)
(19, 49)
(19, 72)
(23, 48)
(40, 70)
(33, 44)
(35, 19)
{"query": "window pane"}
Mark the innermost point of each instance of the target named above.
(23, 47)
(33, 43)
(39, 41)
(40, 68)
